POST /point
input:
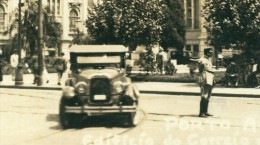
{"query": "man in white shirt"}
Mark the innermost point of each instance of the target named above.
(14, 60)
(206, 81)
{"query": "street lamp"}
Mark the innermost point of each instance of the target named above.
(40, 44)
(19, 73)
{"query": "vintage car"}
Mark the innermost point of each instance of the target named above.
(98, 85)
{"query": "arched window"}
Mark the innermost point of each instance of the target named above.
(2, 18)
(73, 18)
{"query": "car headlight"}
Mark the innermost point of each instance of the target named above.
(118, 87)
(68, 92)
(81, 87)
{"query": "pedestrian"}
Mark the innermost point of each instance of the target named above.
(206, 81)
(46, 74)
(35, 66)
(159, 61)
(14, 60)
(169, 67)
(249, 69)
(258, 75)
(1, 73)
(60, 65)
(232, 75)
(192, 67)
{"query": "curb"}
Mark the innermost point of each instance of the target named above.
(141, 91)
(198, 94)
(30, 87)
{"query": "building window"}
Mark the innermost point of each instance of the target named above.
(193, 14)
(58, 7)
(189, 13)
(73, 18)
(2, 19)
(193, 49)
(54, 6)
(188, 47)
(196, 48)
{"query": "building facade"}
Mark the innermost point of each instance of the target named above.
(195, 33)
(72, 14)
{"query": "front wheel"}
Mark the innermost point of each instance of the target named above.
(66, 119)
(131, 119)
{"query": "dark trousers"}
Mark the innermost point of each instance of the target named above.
(60, 74)
(206, 91)
(1, 74)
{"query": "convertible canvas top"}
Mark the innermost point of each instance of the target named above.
(98, 49)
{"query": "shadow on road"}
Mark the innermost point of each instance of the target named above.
(52, 117)
(189, 115)
(81, 122)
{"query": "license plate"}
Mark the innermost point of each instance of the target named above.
(100, 97)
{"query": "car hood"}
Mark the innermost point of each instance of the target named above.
(96, 73)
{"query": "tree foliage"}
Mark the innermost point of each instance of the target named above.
(52, 30)
(80, 38)
(174, 31)
(137, 22)
(233, 22)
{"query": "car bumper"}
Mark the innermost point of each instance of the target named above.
(100, 109)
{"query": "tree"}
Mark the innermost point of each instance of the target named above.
(52, 30)
(101, 23)
(128, 22)
(174, 31)
(80, 38)
(233, 22)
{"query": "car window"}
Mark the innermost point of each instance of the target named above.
(104, 59)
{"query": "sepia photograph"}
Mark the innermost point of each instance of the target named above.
(129, 72)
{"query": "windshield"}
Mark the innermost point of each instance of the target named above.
(98, 59)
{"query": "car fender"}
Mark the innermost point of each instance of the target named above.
(70, 82)
(132, 91)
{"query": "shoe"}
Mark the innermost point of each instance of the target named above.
(47, 82)
(203, 115)
(206, 109)
(202, 108)
(207, 114)
(59, 83)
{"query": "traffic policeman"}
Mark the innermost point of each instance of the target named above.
(206, 81)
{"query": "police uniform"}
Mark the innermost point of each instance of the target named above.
(206, 81)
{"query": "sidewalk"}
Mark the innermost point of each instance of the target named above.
(193, 89)
(28, 82)
(144, 87)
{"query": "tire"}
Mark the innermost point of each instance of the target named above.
(66, 119)
(131, 119)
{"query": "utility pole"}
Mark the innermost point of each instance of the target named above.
(40, 44)
(19, 73)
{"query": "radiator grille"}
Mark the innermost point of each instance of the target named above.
(100, 90)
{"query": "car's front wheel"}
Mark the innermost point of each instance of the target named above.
(131, 119)
(66, 119)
